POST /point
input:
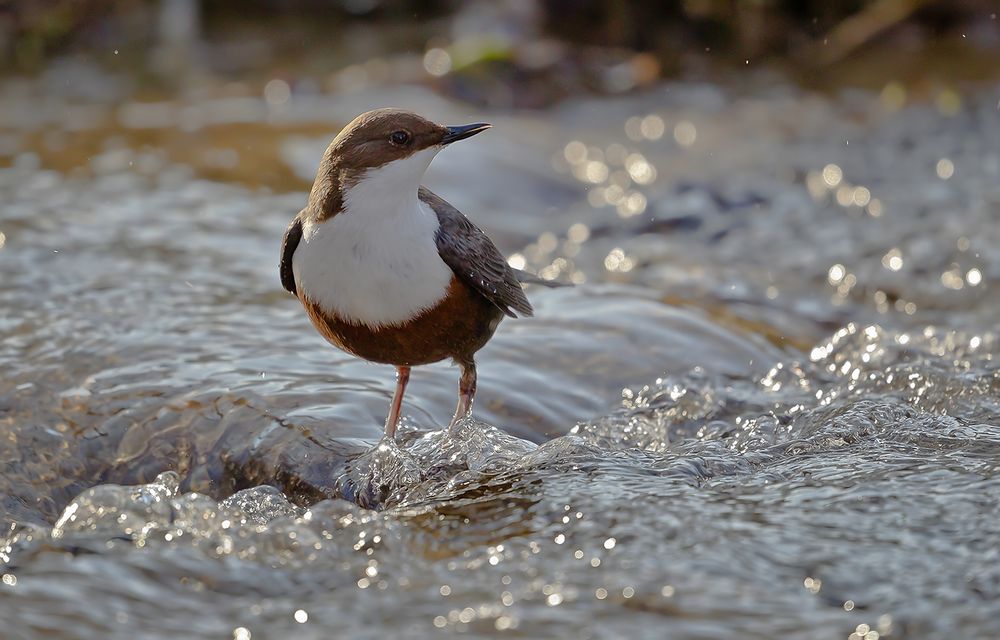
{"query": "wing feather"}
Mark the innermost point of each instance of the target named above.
(289, 243)
(474, 258)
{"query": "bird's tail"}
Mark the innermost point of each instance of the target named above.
(530, 278)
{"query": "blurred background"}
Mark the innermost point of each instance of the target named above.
(76, 72)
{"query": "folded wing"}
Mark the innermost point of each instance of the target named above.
(474, 258)
(289, 243)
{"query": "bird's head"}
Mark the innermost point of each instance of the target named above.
(386, 149)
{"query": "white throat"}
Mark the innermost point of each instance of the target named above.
(376, 262)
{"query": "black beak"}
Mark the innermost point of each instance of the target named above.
(464, 131)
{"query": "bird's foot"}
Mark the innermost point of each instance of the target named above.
(377, 477)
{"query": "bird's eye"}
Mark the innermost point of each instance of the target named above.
(399, 137)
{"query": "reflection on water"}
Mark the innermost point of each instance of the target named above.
(770, 408)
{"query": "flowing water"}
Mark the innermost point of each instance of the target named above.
(769, 408)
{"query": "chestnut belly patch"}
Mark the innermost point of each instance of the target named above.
(456, 327)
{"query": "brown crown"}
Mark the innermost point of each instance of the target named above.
(381, 136)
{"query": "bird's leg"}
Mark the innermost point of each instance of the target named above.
(402, 377)
(466, 392)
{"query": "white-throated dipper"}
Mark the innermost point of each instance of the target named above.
(387, 270)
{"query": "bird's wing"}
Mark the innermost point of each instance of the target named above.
(289, 243)
(474, 258)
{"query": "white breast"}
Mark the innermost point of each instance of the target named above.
(376, 262)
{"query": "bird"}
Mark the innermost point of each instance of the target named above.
(389, 271)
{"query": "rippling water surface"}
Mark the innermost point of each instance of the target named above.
(769, 408)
